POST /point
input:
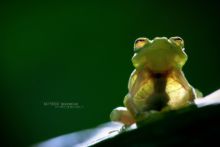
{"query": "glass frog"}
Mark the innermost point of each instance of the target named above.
(158, 83)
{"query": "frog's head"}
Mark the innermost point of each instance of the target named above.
(160, 54)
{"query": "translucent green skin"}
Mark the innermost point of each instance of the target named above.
(157, 83)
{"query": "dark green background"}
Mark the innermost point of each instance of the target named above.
(80, 52)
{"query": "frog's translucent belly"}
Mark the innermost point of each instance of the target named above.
(145, 90)
(173, 93)
(178, 95)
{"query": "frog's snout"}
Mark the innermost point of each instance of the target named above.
(161, 40)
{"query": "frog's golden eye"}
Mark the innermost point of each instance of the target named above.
(139, 43)
(178, 41)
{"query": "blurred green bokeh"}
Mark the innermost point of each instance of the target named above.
(79, 53)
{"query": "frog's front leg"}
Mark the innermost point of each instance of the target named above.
(136, 113)
(121, 114)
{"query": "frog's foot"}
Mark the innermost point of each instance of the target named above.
(145, 115)
(121, 114)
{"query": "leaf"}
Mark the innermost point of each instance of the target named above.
(194, 125)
